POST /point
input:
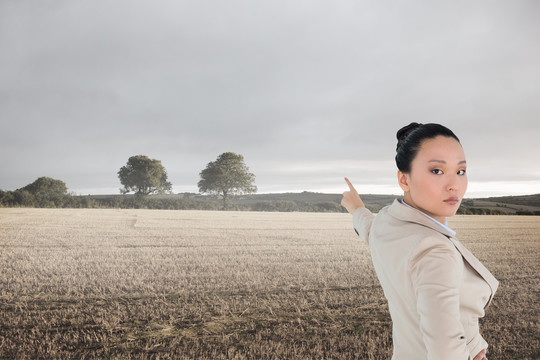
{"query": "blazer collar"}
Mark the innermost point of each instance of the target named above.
(405, 213)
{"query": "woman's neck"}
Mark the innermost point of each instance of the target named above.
(408, 200)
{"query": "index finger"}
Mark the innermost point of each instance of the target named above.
(350, 185)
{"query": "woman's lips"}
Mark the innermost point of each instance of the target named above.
(452, 200)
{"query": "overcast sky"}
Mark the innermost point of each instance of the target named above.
(307, 91)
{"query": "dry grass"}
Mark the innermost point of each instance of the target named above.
(228, 285)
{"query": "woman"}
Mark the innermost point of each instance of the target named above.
(436, 289)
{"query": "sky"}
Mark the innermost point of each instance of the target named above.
(307, 91)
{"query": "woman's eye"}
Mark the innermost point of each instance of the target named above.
(462, 172)
(437, 171)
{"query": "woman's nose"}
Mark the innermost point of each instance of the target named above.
(452, 184)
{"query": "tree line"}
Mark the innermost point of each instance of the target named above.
(222, 180)
(191, 202)
(227, 176)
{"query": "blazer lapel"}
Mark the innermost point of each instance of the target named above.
(478, 266)
(404, 213)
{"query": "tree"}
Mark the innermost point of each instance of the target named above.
(6, 198)
(144, 176)
(228, 175)
(47, 192)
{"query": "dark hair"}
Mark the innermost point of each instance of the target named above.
(410, 139)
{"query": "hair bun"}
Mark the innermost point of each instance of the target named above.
(410, 139)
(405, 131)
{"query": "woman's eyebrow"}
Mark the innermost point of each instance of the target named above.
(444, 162)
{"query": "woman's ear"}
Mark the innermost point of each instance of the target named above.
(403, 180)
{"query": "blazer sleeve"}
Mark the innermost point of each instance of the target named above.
(436, 269)
(362, 219)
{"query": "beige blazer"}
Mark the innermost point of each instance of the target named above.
(436, 288)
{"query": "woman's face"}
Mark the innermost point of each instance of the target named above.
(438, 179)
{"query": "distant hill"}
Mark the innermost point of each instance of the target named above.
(314, 201)
(526, 200)
(373, 202)
(522, 204)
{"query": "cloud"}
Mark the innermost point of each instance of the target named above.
(290, 85)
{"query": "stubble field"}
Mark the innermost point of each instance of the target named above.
(139, 284)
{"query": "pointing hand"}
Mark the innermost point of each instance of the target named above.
(351, 200)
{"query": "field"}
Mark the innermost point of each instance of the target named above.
(143, 284)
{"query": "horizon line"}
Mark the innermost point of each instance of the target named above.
(298, 192)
